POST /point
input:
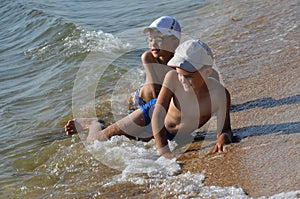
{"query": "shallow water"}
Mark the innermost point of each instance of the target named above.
(53, 53)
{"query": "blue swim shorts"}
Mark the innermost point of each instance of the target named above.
(147, 109)
(137, 101)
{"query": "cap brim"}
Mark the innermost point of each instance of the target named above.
(148, 29)
(179, 62)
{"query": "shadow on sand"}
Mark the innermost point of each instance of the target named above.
(257, 130)
(265, 103)
(283, 128)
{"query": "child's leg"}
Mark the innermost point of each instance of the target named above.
(130, 126)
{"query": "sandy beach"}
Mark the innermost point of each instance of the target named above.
(261, 166)
(265, 108)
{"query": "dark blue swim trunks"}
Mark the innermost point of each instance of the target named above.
(147, 109)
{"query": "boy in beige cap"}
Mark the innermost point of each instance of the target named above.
(189, 97)
(187, 100)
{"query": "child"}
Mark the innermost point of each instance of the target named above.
(164, 37)
(189, 97)
(187, 100)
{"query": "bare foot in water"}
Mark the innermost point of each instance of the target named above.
(83, 124)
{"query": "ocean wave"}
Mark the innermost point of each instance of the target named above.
(70, 39)
(37, 32)
(95, 41)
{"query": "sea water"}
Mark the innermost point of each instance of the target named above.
(61, 59)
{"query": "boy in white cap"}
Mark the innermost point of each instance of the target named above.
(187, 100)
(163, 39)
(164, 35)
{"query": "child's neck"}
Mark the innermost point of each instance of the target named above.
(165, 59)
(203, 89)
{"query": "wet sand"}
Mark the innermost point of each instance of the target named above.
(262, 166)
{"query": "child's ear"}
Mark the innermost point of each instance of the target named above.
(176, 42)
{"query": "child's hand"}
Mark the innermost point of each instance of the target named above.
(223, 140)
(168, 155)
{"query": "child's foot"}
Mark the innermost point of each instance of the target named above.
(70, 127)
(81, 124)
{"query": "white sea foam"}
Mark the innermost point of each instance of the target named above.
(140, 164)
(95, 41)
(132, 157)
(79, 40)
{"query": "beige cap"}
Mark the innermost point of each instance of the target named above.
(191, 56)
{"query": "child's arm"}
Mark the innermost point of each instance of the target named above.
(159, 115)
(224, 132)
(148, 91)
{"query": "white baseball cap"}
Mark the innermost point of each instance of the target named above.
(166, 25)
(191, 56)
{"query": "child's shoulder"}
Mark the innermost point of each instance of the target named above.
(171, 78)
(216, 88)
(214, 85)
(172, 74)
(147, 57)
